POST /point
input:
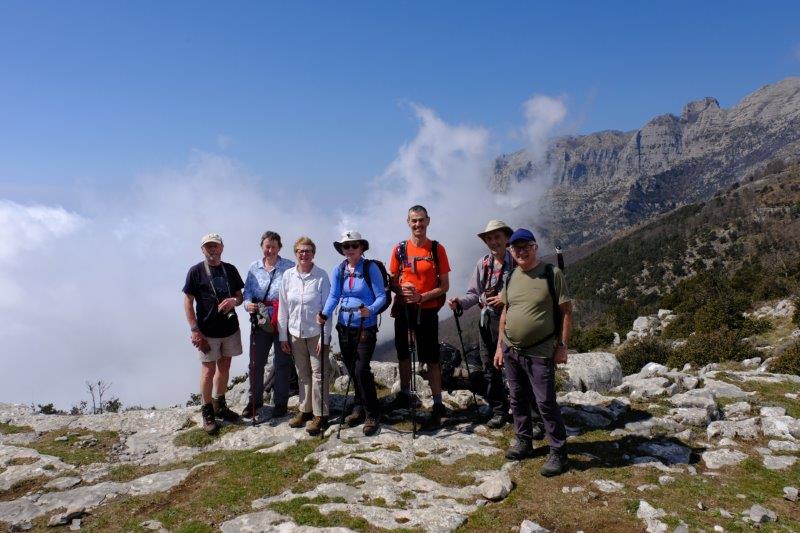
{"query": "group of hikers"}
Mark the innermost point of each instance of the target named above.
(525, 321)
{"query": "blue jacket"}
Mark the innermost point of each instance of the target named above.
(351, 298)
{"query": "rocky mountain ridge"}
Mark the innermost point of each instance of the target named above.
(606, 181)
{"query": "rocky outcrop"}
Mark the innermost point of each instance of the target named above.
(606, 181)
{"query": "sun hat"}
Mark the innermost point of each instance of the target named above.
(521, 234)
(350, 236)
(211, 237)
(493, 225)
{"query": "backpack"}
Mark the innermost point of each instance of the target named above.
(402, 256)
(549, 274)
(368, 281)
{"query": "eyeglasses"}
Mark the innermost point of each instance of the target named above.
(351, 246)
(304, 251)
(523, 248)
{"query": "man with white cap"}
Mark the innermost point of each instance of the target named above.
(485, 284)
(210, 294)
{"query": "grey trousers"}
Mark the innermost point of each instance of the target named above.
(281, 368)
(314, 387)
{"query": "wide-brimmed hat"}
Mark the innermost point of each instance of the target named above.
(351, 236)
(211, 237)
(494, 225)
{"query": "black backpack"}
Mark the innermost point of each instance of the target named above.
(366, 275)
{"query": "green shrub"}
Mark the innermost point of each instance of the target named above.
(788, 362)
(712, 347)
(634, 355)
(756, 326)
(680, 328)
(587, 340)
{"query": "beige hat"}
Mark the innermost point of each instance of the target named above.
(494, 225)
(211, 237)
(350, 236)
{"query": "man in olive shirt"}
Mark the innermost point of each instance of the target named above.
(536, 337)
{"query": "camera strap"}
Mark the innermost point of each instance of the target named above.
(211, 279)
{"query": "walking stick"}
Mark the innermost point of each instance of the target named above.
(253, 328)
(457, 312)
(412, 349)
(322, 357)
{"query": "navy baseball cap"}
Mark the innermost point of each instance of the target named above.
(521, 234)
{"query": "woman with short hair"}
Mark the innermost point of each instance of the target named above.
(303, 292)
(261, 296)
(357, 326)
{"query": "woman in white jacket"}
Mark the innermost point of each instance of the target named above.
(302, 295)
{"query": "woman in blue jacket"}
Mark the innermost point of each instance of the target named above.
(358, 323)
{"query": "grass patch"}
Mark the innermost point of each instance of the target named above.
(21, 488)
(772, 394)
(69, 451)
(308, 515)
(22, 461)
(209, 496)
(9, 429)
(456, 474)
(197, 438)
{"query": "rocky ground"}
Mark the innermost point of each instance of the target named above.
(713, 448)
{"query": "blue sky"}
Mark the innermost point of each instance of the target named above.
(94, 93)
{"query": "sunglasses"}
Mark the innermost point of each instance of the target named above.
(304, 251)
(351, 246)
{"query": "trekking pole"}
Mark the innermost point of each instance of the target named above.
(322, 357)
(457, 312)
(412, 349)
(253, 328)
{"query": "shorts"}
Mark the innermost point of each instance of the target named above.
(427, 334)
(229, 346)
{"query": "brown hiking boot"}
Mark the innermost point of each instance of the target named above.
(209, 424)
(222, 411)
(318, 425)
(370, 426)
(299, 420)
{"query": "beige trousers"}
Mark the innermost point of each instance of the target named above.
(314, 392)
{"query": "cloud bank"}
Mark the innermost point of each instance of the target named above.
(96, 295)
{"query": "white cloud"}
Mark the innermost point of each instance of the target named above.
(542, 114)
(31, 227)
(100, 297)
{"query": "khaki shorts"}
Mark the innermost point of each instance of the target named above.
(229, 346)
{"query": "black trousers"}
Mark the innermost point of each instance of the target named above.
(357, 350)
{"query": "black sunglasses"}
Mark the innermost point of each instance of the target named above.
(351, 245)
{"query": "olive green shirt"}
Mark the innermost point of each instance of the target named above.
(529, 309)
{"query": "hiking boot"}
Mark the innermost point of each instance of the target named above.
(370, 426)
(520, 450)
(279, 411)
(354, 418)
(209, 423)
(318, 425)
(222, 411)
(497, 421)
(438, 411)
(555, 464)
(247, 412)
(299, 420)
